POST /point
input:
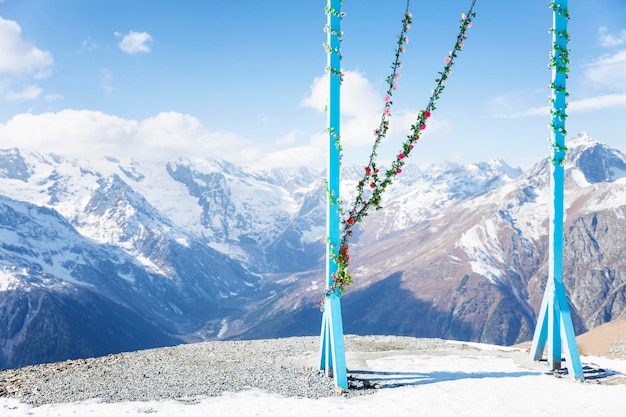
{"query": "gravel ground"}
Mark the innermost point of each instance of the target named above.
(281, 366)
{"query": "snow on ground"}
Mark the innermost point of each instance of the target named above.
(459, 384)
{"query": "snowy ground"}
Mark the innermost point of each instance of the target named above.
(489, 381)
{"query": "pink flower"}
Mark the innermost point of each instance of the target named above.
(427, 114)
(395, 86)
(397, 76)
(401, 156)
(469, 25)
(387, 111)
(411, 147)
(402, 49)
(447, 60)
(463, 16)
(387, 98)
(464, 36)
(406, 39)
(460, 45)
(409, 15)
(399, 64)
(422, 127)
(320, 303)
(416, 138)
(408, 27)
(376, 132)
(399, 171)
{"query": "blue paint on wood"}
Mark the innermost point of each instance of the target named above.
(332, 351)
(555, 322)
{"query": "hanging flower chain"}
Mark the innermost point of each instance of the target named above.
(373, 178)
(559, 60)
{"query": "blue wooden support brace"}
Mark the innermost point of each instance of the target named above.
(332, 351)
(555, 321)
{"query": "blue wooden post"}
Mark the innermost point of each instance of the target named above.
(332, 351)
(554, 320)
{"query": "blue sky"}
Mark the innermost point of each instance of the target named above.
(244, 81)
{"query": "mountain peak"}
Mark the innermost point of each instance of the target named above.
(595, 161)
(582, 140)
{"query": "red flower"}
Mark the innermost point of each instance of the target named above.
(427, 114)
(401, 156)
(372, 185)
(350, 220)
(398, 171)
(343, 251)
(368, 170)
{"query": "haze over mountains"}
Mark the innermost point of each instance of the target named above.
(101, 256)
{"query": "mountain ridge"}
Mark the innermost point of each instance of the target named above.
(208, 250)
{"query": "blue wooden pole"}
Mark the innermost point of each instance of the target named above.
(554, 321)
(332, 351)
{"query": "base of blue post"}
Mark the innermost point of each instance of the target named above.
(332, 350)
(554, 323)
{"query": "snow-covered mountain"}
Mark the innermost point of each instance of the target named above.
(475, 268)
(194, 249)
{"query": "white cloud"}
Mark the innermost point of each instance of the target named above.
(310, 156)
(575, 106)
(30, 92)
(608, 40)
(72, 132)
(608, 72)
(606, 76)
(84, 133)
(134, 42)
(20, 57)
(598, 102)
(361, 105)
(290, 137)
(171, 134)
(361, 109)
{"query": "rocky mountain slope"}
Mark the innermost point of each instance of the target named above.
(476, 269)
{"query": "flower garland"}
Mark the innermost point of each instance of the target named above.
(559, 60)
(373, 180)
